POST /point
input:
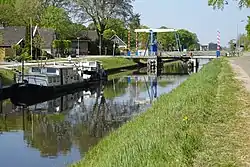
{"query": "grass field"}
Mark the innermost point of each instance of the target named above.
(197, 124)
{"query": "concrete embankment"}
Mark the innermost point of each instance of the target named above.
(198, 124)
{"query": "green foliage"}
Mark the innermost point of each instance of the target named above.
(100, 13)
(166, 40)
(188, 40)
(58, 19)
(194, 127)
(116, 26)
(6, 76)
(62, 46)
(219, 4)
(247, 38)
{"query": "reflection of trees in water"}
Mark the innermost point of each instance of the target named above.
(177, 67)
(106, 116)
(54, 134)
(49, 136)
(115, 88)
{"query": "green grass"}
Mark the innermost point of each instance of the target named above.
(197, 124)
(6, 76)
(108, 62)
(114, 62)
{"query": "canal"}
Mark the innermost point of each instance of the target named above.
(60, 131)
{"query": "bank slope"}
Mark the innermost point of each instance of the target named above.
(193, 125)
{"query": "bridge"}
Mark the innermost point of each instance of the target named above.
(178, 55)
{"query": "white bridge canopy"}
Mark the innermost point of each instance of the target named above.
(156, 30)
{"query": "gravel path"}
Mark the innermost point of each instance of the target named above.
(241, 66)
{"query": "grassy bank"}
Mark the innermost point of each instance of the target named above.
(6, 76)
(197, 124)
(108, 62)
(114, 62)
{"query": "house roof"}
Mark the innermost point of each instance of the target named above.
(88, 34)
(118, 40)
(13, 35)
(48, 36)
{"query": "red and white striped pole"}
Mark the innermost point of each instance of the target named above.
(129, 38)
(218, 44)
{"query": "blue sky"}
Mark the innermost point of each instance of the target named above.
(194, 15)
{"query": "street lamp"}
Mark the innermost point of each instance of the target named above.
(114, 43)
(238, 38)
(78, 46)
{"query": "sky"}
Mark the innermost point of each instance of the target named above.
(195, 16)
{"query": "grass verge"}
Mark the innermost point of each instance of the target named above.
(197, 124)
(6, 76)
(108, 62)
(114, 62)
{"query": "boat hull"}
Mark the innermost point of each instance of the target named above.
(30, 94)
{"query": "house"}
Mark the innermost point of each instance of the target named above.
(16, 35)
(212, 46)
(203, 47)
(85, 43)
(120, 43)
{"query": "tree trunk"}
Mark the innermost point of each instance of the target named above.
(100, 33)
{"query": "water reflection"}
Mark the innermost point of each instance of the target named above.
(62, 130)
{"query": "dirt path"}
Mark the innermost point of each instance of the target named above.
(241, 66)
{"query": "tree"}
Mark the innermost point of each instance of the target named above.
(55, 3)
(188, 40)
(19, 12)
(167, 40)
(28, 9)
(38, 42)
(116, 26)
(100, 12)
(232, 45)
(62, 47)
(221, 3)
(134, 23)
(248, 26)
(143, 38)
(58, 19)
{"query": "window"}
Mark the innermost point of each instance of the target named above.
(36, 69)
(51, 70)
(49, 79)
(54, 79)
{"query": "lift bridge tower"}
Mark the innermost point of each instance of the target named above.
(154, 61)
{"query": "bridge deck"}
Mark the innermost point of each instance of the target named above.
(170, 57)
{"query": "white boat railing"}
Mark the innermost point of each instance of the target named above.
(35, 78)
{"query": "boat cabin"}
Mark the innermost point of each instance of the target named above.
(51, 76)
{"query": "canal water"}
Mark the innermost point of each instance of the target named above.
(59, 132)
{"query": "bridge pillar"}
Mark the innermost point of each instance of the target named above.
(152, 66)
